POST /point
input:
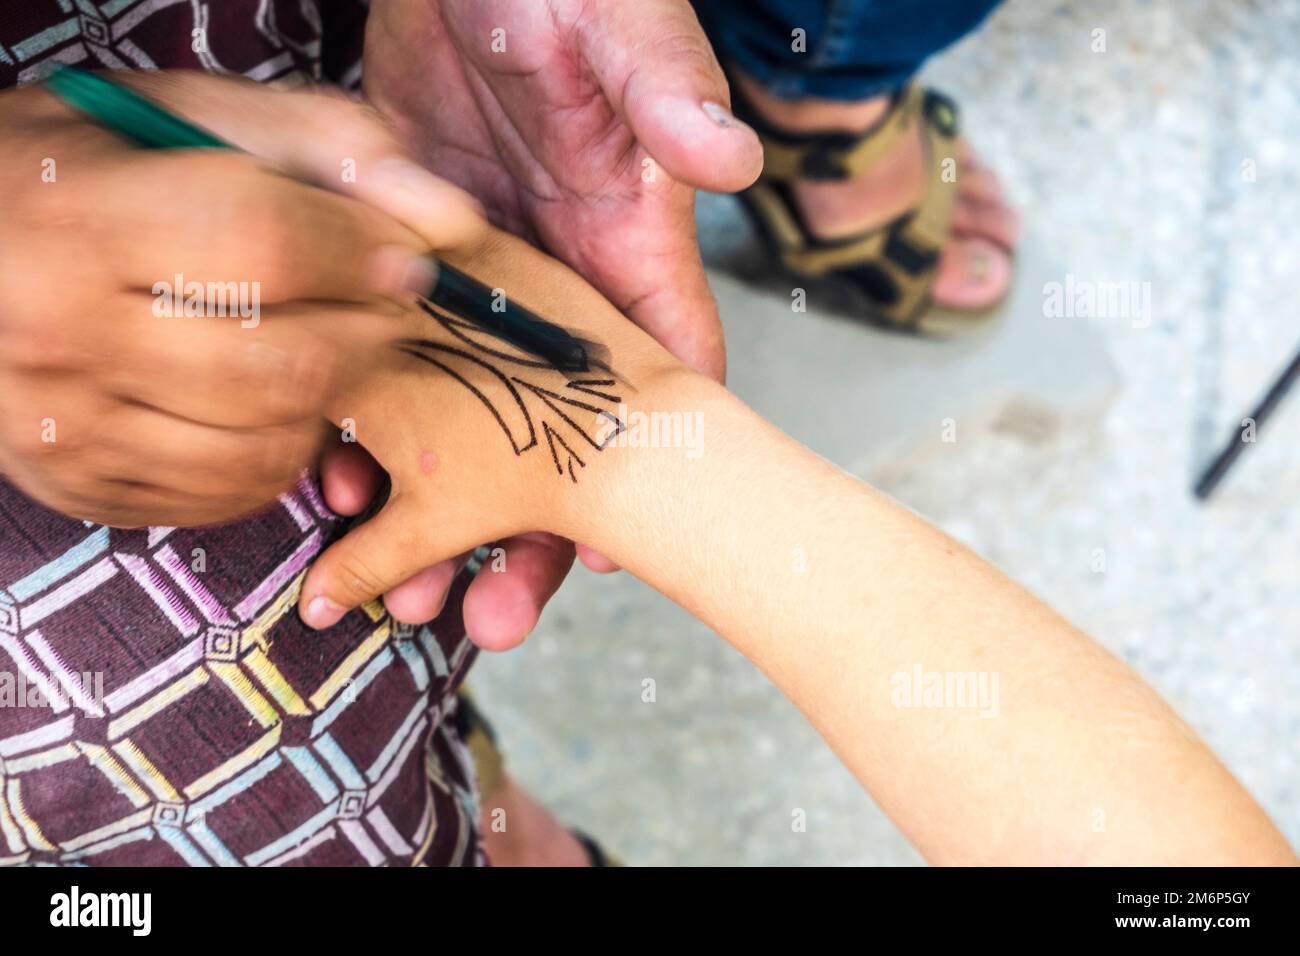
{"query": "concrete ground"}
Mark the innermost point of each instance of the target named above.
(1168, 159)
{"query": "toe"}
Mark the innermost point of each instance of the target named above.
(982, 220)
(973, 275)
(979, 183)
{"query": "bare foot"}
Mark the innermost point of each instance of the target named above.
(519, 831)
(975, 268)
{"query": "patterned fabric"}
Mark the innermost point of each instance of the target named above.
(160, 701)
(265, 40)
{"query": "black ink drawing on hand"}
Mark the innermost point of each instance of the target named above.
(534, 391)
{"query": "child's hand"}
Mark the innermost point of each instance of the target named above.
(482, 441)
(119, 407)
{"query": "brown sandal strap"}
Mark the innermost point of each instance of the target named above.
(896, 263)
(830, 157)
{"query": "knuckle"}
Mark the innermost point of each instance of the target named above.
(257, 226)
(310, 376)
(688, 52)
(280, 455)
(197, 171)
(289, 384)
(336, 118)
(356, 579)
(22, 345)
(272, 260)
(360, 123)
(40, 211)
(85, 497)
(85, 509)
(27, 439)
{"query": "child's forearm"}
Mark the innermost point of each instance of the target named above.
(870, 620)
(875, 624)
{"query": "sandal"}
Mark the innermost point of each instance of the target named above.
(888, 272)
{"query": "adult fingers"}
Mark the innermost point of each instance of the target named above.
(218, 372)
(503, 605)
(226, 234)
(327, 139)
(349, 477)
(658, 69)
(420, 598)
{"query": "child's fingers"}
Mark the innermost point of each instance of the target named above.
(370, 560)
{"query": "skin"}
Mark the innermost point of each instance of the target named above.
(827, 586)
(147, 428)
(974, 269)
(554, 135)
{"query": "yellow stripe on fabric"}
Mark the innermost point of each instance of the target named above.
(233, 676)
(274, 682)
(232, 767)
(35, 838)
(101, 758)
(133, 822)
(46, 758)
(351, 666)
(13, 836)
(255, 633)
(160, 701)
(144, 768)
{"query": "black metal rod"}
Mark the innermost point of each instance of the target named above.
(1223, 462)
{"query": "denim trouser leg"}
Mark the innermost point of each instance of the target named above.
(853, 49)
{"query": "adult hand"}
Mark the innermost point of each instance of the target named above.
(586, 127)
(121, 405)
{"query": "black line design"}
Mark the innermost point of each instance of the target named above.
(512, 411)
(583, 387)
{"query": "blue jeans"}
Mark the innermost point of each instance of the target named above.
(853, 49)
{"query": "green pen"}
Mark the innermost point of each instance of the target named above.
(148, 125)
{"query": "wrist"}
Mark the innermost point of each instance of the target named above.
(636, 503)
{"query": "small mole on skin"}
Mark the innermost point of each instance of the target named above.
(428, 462)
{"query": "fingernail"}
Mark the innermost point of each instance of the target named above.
(397, 269)
(721, 115)
(421, 276)
(321, 613)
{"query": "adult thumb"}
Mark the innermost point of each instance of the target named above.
(657, 67)
(324, 138)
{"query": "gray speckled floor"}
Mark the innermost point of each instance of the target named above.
(1169, 159)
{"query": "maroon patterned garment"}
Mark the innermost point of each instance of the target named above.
(160, 701)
